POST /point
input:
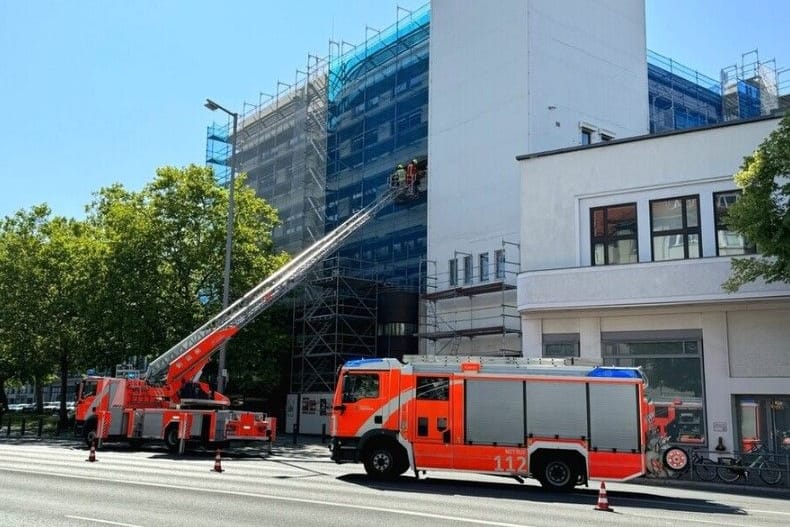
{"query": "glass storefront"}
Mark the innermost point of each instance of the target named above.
(763, 420)
(672, 363)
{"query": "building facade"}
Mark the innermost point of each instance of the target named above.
(624, 251)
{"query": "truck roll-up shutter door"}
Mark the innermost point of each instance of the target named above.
(614, 421)
(556, 409)
(494, 412)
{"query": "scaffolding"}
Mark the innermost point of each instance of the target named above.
(335, 321)
(749, 89)
(680, 97)
(478, 306)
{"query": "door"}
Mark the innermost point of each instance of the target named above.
(362, 403)
(431, 422)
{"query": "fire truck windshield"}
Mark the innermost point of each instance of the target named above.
(358, 386)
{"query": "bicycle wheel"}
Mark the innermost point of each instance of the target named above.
(705, 469)
(729, 474)
(770, 472)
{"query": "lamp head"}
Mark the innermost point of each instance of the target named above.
(211, 105)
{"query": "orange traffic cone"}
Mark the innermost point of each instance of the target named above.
(92, 455)
(603, 501)
(217, 463)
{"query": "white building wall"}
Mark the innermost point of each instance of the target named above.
(509, 77)
(745, 335)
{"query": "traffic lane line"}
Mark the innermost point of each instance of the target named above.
(98, 520)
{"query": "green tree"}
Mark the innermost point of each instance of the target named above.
(46, 264)
(762, 214)
(165, 259)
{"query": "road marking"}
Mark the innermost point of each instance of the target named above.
(264, 496)
(106, 522)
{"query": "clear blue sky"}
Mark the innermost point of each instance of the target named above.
(97, 91)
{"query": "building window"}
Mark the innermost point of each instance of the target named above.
(675, 228)
(614, 232)
(586, 136)
(483, 267)
(468, 269)
(499, 264)
(728, 242)
(561, 345)
(606, 137)
(453, 269)
(672, 363)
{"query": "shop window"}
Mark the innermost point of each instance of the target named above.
(560, 345)
(672, 362)
(763, 420)
(614, 234)
(675, 228)
(729, 242)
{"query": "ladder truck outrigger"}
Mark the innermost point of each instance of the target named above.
(169, 402)
(560, 421)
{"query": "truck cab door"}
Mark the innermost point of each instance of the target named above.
(431, 422)
(362, 403)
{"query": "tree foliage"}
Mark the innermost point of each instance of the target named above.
(143, 270)
(762, 213)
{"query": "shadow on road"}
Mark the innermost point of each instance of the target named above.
(537, 494)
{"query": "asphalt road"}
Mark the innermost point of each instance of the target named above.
(52, 484)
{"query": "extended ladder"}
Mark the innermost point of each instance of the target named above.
(263, 295)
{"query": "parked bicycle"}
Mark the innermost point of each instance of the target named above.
(758, 460)
(680, 462)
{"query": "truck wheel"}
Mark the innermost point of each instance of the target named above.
(558, 474)
(171, 438)
(89, 432)
(381, 462)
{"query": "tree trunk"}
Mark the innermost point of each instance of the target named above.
(3, 398)
(39, 396)
(64, 387)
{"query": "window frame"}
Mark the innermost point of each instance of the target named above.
(720, 224)
(452, 270)
(482, 261)
(606, 239)
(499, 264)
(468, 271)
(586, 133)
(684, 231)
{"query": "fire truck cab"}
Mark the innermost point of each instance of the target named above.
(554, 420)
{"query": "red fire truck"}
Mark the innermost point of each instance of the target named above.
(554, 420)
(169, 402)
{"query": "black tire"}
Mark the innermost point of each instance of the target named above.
(729, 474)
(770, 472)
(381, 461)
(558, 474)
(705, 469)
(89, 432)
(171, 439)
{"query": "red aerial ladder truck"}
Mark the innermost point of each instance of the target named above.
(555, 420)
(169, 402)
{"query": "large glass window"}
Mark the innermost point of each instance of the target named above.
(613, 236)
(452, 267)
(728, 242)
(560, 345)
(675, 228)
(672, 364)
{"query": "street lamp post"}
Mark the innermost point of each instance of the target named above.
(211, 105)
